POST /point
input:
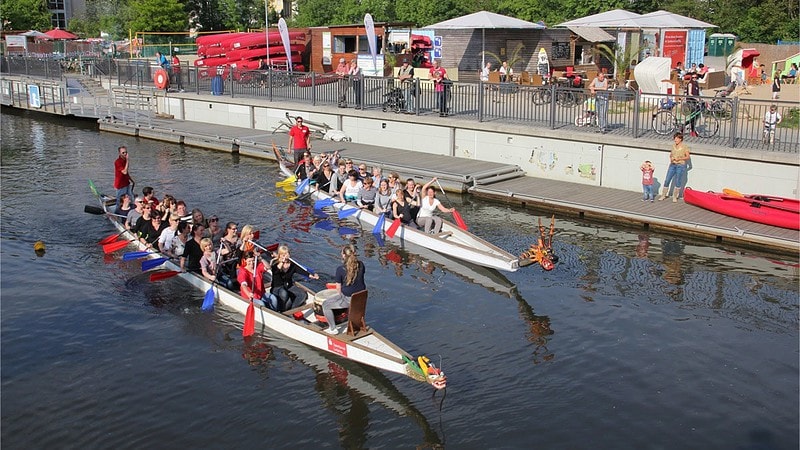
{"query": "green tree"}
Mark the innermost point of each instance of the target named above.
(24, 15)
(158, 15)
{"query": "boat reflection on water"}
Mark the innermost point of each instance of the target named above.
(539, 328)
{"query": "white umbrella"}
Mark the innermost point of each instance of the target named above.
(483, 20)
(666, 19)
(36, 35)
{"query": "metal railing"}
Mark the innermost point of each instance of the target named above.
(721, 121)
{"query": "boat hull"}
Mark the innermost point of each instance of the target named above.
(371, 348)
(747, 208)
(455, 242)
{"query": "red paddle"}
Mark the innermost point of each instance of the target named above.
(114, 246)
(393, 228)
(110, 239)
(459, 221)
(158, 276)
(249, 321)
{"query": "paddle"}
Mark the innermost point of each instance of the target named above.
(302, 187)
(378, 228)
(393, 227)
(97, 211)
(114, 246)
(760, 198)
(158, 276)
(347, 212)
(758, 203)
(319, 204)
(208, 300)
(733, 193)
(456, 215)
(153, 263)
(111, 238)
(290, 180)
(130, 256)
(274, 247)
(250, 316)
(93, 188)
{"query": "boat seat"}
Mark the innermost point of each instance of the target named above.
(355, 317)
(444, 234)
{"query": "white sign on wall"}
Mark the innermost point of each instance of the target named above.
(33, 96)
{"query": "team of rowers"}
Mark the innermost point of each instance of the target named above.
(340, 179)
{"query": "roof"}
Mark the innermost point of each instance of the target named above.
(485, 20)
(592, 34)
(666, 19)
(617, 18)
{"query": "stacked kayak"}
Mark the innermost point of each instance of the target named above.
(219, 53)
(769, 210)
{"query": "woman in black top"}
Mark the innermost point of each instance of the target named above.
(283, 270)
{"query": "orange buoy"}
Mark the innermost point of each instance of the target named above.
(161, 79)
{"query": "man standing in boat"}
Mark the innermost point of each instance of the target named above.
(122, 176)
(299, 139)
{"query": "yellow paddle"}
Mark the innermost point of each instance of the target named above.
(286, 182)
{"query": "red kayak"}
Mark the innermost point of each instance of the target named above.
(776, 211)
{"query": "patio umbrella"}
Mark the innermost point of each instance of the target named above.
(36, 34)
(59, 34)
(483, 20)
(666, 19)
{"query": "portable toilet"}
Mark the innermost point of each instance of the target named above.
(721, 44)
(730, 43)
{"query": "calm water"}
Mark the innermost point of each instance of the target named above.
(634, 341)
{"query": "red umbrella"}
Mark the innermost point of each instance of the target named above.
(58, 33)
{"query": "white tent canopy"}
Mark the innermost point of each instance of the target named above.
(666, 19)
(36, 35)
(617, 18)
(483, 20)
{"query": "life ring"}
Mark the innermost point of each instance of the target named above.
(161, 79)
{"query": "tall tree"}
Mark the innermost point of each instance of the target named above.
(24, 15)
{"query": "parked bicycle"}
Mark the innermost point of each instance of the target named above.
(666, 122)
(564, 96)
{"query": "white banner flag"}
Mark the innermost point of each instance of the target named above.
(369, 25)
(284, 31)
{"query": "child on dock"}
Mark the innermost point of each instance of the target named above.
(647, 181)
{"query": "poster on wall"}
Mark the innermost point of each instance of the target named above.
(675, 45)
(34, 100)
(369, 68)
(649, 46)
(326, 48)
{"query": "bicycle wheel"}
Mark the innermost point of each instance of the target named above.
(541, 96)
(706, 125)
(722, 109)
(663, 123)
(565, 99)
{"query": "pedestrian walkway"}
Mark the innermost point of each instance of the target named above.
(489, 180)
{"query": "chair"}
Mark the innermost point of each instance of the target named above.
(494, 77)
(525, 78)
(355, 317)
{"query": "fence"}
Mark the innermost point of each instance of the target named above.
(722, 121)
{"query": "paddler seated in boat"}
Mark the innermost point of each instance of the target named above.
(134, 214)
(394, 182)
(151, 231)
(150, 196)
(305, 168)
(192, 252)
(144, 219)
(349, 280)
(251, 281)
(167, 236)
(411, 193)
(246, 238)
(182, 211)
(125, 206)
(351, 187)
(324, 177)
(428, 205)
(383, 199)
(401, 209)
(229, 249)
(283, 270)
(367, 195)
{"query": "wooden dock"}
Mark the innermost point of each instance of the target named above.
(495, 181)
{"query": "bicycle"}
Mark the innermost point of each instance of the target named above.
(722, 106)
(665, 122)
(564, 98)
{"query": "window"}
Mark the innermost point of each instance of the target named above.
(59, 20)
(344, 44)
(55, 4)
(363, 44)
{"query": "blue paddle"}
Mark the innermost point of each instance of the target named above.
(347, 231)
(319, 204)
(378, 228)
(152, 263)
(302, 187)
(326, 225)
(347, 212)
(130, 256)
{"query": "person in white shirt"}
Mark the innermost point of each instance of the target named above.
(771, 120)
(506, 73)
(429, 204)
(485, 72)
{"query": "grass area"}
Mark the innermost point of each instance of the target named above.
(791, 119)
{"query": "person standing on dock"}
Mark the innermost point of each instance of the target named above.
(299, 139)
(122, 177)
(678, 158)
(438, 75)
(406, 77)
(357, 76)
(600, 83)
(342, 71)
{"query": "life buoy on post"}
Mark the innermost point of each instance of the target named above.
(161, 79)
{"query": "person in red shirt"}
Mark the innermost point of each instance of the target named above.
(438, 75)
(251, 281)
(176, 72)
(299, 139)
(123, 182)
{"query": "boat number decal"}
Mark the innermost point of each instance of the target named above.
(338, 347)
